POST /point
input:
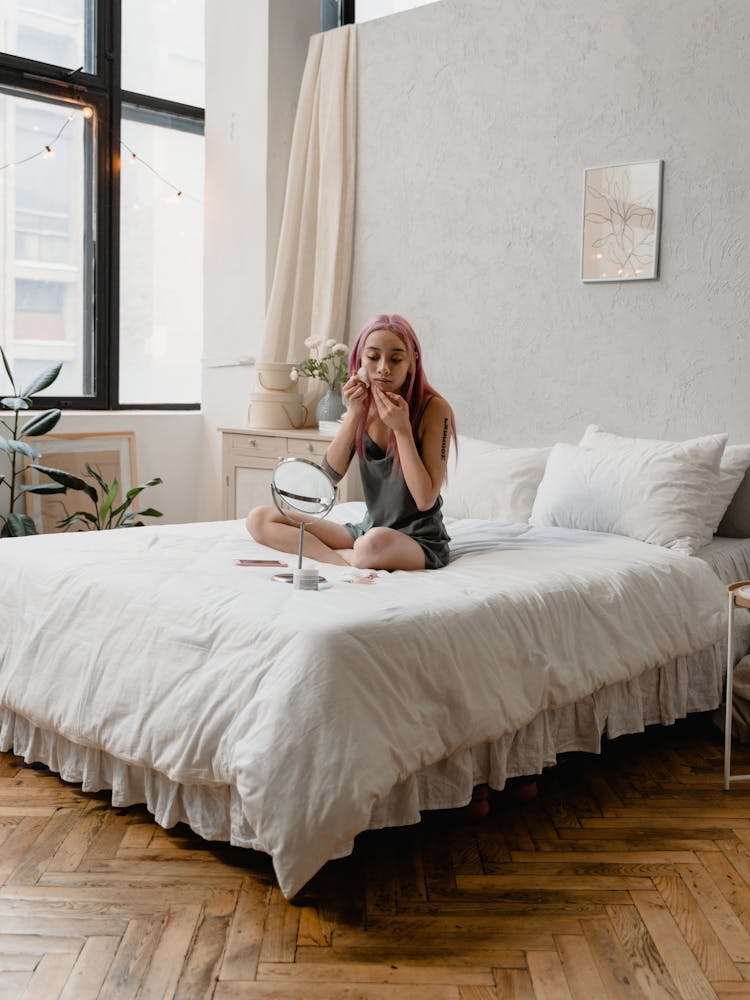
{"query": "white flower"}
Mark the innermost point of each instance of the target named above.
(294, 374)
(330, 343)
(339, 349)
(312, 341)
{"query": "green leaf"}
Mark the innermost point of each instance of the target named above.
(41, 423)
(14, 403)
(42, 488)
(123, 506)
(95, 474)
(20, 446)
(109, 500)
(19, 525)
(47, 377)
(68, 480)
(139, 489)
(78, 518)
(150, 512)
(7, 368)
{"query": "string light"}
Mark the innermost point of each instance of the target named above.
(179, 193)
(47, 152)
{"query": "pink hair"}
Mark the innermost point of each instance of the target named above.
(415, 390)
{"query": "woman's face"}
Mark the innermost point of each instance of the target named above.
(386, 358)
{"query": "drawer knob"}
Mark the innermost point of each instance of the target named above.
(309, 446)
(253, 443)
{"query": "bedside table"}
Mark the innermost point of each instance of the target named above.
(738, 595)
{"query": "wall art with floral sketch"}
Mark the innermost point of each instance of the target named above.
(621, 221)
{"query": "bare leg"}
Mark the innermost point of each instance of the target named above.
(385, 548)
(324, 541)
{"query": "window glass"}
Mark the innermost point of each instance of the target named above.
(163, 50)
(368, 10)
(45, 223)
(161, 261)
(53, 31)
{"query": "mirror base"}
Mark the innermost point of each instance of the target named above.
(289, 578)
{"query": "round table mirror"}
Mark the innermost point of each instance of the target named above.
(302, 491)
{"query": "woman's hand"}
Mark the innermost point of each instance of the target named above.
(392, 409)
(355, 395)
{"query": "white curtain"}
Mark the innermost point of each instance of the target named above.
(310, 289)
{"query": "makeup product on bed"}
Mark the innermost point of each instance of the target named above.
(306, 578)
(259, 562)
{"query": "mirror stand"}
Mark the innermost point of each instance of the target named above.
(299, 486)
(289, 577)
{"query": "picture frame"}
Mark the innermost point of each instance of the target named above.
(111, 453)
(621, 221)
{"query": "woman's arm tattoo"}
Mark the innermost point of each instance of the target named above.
(445, 438)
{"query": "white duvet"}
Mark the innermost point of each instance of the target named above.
(310, 707)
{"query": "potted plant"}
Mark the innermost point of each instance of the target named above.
(17, 448)
(106, 513)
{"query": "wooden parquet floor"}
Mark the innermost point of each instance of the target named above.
(628, 876)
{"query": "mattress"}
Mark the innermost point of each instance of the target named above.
(149, 663)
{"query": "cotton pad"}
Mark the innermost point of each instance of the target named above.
(362, 376)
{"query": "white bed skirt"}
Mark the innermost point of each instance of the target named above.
(658, 696)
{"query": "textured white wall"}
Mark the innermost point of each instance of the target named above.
(476, 121)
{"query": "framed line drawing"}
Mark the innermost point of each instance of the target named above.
(112, 454)
(621, 221)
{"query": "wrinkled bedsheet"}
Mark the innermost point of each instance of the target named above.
(307, 709)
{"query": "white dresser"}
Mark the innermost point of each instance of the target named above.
(249, 457)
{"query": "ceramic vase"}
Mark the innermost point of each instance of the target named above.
(330, 406)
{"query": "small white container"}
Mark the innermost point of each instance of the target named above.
(306, 578)
(274, 376)
(276, 410)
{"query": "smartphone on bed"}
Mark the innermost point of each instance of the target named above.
(258, 562)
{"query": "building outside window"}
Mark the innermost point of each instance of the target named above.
(101, 191)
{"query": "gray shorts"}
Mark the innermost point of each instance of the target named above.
(436, 550)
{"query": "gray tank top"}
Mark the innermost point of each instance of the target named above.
(391, 505)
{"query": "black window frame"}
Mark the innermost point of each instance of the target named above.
(102, 89)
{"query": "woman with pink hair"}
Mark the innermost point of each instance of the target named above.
(401, 429)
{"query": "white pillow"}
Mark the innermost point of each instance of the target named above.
(492, 482)
(656, 491)
(734, 464)
(718, 495)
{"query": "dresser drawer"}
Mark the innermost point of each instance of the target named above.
(251, 445)
(301, 448)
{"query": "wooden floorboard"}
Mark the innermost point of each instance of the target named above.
(627, 877)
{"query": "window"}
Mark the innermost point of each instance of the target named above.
(101, 189)
(368, 10)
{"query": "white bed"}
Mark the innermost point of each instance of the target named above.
(147, 662)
